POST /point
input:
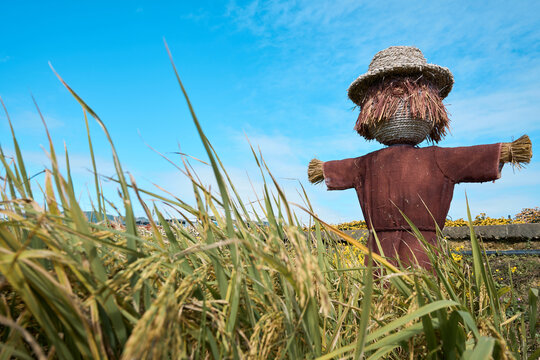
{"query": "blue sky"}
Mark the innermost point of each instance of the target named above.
(275, 71)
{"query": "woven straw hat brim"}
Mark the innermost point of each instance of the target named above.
(441, 77)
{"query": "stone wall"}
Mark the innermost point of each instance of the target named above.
(511, 233)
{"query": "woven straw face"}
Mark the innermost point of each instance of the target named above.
(401, 60)
(402, 129)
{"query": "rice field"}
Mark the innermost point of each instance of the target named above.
(230, 284)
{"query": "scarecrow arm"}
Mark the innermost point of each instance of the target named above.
(337, 174)
(470, 163)
(518, 152)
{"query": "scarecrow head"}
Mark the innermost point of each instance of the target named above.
(400, 98)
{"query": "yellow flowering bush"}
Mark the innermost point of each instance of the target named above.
(457, 257)
(482, 220)
(458, 222)
(353, 225)
(529, 215)
(348, 256)
(455, 253)
(526, 216)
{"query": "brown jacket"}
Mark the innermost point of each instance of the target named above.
(413, 180)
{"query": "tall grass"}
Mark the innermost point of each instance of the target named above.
(229, 289)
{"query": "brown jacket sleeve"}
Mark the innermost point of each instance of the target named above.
(471, 163)
(340, 174)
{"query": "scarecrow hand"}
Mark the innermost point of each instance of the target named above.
(517, 152)
(337, 174)
(315, 171)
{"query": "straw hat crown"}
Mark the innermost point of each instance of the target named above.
(401, 60)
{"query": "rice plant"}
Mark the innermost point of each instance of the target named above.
(226, 286)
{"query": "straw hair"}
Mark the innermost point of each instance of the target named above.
(518, 152)
(401, 61)
(417, 95)
(315, 171)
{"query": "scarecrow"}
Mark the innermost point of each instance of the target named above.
(400, 100)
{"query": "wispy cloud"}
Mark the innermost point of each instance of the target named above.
(500, 114)
(30, 122)
(80, 163)
(344, 35)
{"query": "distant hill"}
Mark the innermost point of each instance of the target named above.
(93, 217)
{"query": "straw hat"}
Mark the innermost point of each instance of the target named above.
(400, 60)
